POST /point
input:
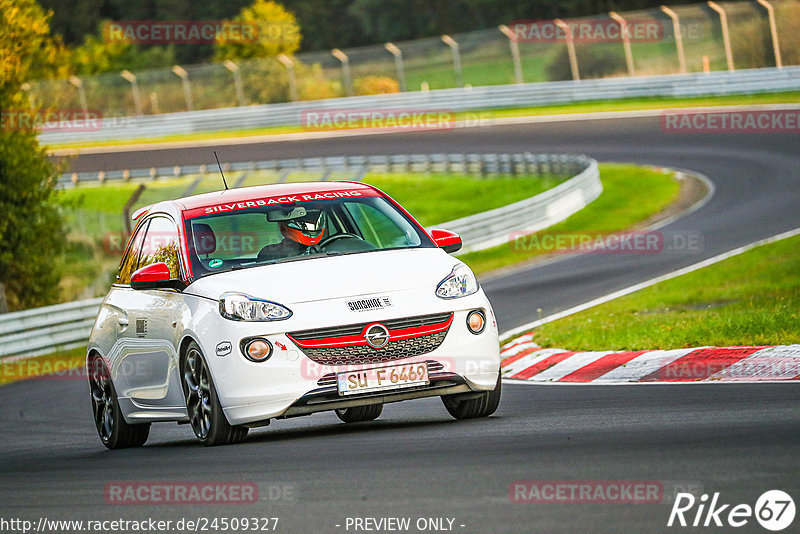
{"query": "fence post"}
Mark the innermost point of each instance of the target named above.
(126, 210)
(573, 58)
(287, 62)
(398, 63)
(348, 79)
(454, 50)
(726, 38)
(137, 98)
(74, 80)
(187, 89)
(512, 42)
(237, 80)
(773, 29)
(676, 29)
(626, 40)
(3, 303)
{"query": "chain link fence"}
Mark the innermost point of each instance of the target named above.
(476, 58)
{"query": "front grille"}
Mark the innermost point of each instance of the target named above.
(394, 350)
(329, 379)
(358, 329)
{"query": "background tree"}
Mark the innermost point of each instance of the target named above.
(31, 230)
(278, 33)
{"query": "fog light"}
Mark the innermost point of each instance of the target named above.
(257, 349)
(476, 321)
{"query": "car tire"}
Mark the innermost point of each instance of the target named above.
(205, 413)
(114, 431)
(483, 405)
(360, 413)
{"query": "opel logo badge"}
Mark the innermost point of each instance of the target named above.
(377, 336)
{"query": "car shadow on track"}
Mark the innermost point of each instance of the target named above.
(329, 430)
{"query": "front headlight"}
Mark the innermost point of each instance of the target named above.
(459, 283)
(241, 307)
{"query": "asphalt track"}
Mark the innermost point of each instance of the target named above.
(739, 440)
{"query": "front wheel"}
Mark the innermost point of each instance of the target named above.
(202, 403)
(483, 405)
(360, 413)
(114, 431)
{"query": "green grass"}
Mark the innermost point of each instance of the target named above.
(440, 198)
(750, 299)
(62, 365)
(582, 107)
(631, 194)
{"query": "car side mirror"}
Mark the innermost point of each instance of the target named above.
(446, 240)
(155, 276)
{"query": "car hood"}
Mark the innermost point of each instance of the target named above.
(332, 277)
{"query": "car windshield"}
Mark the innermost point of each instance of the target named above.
(301, 230)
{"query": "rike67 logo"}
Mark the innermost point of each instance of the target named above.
(774, 510)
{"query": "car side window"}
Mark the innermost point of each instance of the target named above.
(161, 244)
(128, 265)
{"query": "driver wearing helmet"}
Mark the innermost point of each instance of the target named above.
(300, 236)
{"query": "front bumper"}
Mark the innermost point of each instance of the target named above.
(291, 384)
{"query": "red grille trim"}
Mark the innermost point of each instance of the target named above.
(354, 341)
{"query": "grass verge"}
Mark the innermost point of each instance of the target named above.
(631, 194)
(750, 299)
(630, 104)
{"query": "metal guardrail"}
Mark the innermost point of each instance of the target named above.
(44, 330)
(498, 226)
(451, 100)
(478, 164)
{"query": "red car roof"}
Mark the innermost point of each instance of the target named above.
(243, 194)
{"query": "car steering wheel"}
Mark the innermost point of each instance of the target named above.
(331, 239)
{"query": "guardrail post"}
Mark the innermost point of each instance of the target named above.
(287, 62)
(346, 76)
(773, 30)
(573, 58)
(237, 80)
(398, 64)
(676, 29)
(514, 45)
(726, 38)
(456, 53)
(137, 98)
(626, 40)
(187, 88)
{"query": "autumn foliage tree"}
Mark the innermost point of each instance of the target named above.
(31, 229)
(276, 32)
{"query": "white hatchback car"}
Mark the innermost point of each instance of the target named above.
(236, 307)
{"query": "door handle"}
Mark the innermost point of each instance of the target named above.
(123, 321)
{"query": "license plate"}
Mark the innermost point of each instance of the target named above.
(383, 378)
